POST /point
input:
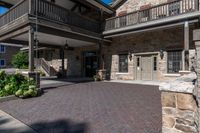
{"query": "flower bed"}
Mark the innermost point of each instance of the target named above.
(18, 85)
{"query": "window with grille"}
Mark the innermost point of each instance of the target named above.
(174, 61)
(123, 63)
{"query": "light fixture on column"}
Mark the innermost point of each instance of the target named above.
(130, 56)
(161, 54)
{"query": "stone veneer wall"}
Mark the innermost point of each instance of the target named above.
(133, 5)
(179, 106)
(166, 39)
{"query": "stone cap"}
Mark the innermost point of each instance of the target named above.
(183, 84)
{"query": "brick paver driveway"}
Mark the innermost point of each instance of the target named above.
(91, 108)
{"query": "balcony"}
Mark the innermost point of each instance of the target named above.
(50, 12)
(152, 14)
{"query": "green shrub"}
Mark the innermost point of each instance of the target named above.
(2, 79)
(17, 84)
(20, 60)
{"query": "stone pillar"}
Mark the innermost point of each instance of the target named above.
(31, 50)
(196, 39)
(179, 106)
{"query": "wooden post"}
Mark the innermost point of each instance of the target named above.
(31, 50)
(62, 50)
(186, 47)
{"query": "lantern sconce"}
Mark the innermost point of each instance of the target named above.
(161, 54)
(130, 56)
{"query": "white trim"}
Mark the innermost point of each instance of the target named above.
(13, 45)
(172, 75)
(146, 53)
(122, 73)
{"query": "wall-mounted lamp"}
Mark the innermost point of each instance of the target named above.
(130, 56)
(66, 45)
(161, 54)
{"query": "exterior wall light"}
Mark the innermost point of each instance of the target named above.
(130, 56)
(161, 54)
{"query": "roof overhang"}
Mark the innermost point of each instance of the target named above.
(117, 3)
(10, 2)
(101, 5)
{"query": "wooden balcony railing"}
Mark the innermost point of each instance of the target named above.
(49, 11)
(174, 8)
(15, 12)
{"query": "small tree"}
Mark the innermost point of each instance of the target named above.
(20, 60)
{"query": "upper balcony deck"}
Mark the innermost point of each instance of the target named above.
(165, 12)
(50, 12)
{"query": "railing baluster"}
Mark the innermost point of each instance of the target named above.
(173, 8)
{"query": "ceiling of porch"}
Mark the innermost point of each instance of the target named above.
(53, 40)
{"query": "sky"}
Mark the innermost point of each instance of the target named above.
(2, 10)
(107, 1)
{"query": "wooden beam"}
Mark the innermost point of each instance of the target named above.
(20, 42)
(4, 4)
(31, 49)
(56, 32)
(186, 46)
(15, 33)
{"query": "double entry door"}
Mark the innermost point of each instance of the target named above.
(146, 67)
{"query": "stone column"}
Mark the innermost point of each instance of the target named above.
(196, 39)
(31, 50)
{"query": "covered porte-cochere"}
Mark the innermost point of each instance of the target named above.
(41, 24)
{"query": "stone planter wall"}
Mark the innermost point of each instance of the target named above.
(179, 105)
(196, 39)
(178, 111)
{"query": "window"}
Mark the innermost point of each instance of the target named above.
(123, 63)
(2, 62)
(2, 49)
(138, 61)
(155, 63)
(174, 61)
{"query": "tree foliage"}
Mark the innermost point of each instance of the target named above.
(20, 60)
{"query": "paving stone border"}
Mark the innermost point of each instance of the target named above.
(8, 98)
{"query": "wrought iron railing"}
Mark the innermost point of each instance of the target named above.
(174, 8)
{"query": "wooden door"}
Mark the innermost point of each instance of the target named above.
(146, 68)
